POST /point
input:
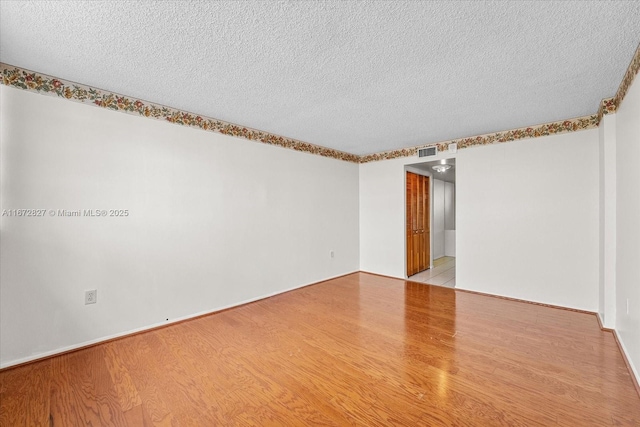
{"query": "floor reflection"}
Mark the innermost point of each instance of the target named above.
(430, 335)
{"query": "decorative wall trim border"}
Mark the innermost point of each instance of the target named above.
(611, 105)
(43, 84)
(629, 76)
(35, 82)
(607, 106)
(571, 125)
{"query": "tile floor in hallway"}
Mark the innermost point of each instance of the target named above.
(443, 273)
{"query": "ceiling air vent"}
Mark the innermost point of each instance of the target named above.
(429, 151)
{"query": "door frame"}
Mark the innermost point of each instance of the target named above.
(433, 176)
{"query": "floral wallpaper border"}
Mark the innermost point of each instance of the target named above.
(35, 82)
(628, 78)
(572, 125)
(43, 84)
(611, 105)
(607, 106)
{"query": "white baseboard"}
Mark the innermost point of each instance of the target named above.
(46, 354)
(600, 319)
(634, 371)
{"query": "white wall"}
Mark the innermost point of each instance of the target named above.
(628, 224)
(214, 221)
(450, 243)
(443, 219)
(527, 219)
(607, 235)
(437, 224)
(449, 206)
(382, 217)
(450, 219)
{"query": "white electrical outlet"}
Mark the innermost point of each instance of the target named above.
(91, 297)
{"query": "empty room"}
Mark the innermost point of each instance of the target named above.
(274, 213)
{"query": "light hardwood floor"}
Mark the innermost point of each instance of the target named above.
(357, 350)
(443, 273)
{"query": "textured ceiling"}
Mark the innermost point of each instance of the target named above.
(360, 77)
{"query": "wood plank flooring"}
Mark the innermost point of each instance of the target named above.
(357, 350)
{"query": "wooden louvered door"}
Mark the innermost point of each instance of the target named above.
(418, 227)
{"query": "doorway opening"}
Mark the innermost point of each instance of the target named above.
(439, 235)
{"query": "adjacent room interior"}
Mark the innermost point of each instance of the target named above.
(319, 213)
(439, 217)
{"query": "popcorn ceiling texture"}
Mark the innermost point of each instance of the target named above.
(360, 77)
(47, 85)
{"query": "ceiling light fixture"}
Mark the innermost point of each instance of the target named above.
(441, 168)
